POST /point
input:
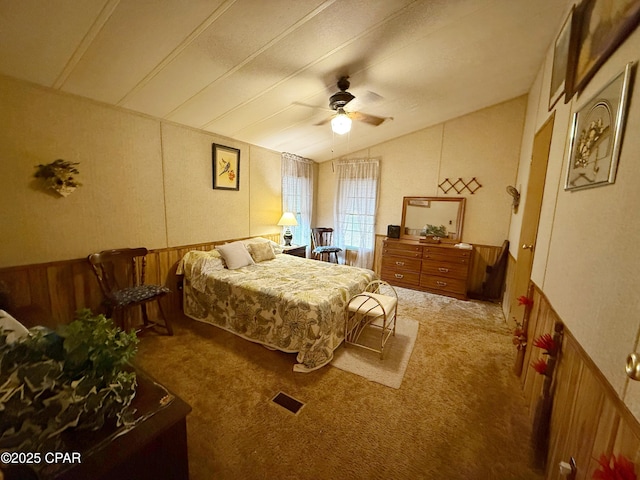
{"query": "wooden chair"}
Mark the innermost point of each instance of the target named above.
(321, 239)
(121, 276)
(374, 309)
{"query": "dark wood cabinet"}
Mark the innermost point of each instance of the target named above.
(155, 447)
(431, 267)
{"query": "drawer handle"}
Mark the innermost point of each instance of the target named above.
(443, 270)
(400, 263)
(441, 284)
(399, 275)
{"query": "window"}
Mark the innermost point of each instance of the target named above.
(356, 203)
(297, 194)
(359, 213)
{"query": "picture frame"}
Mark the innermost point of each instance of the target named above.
(560, 61)
(597, 129)
(226, 167)
(598, 27)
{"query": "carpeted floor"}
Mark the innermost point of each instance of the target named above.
(459, 414)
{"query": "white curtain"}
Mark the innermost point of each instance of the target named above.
(355, 208)
(297, 194)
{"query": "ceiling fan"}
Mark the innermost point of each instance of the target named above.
(341, 121)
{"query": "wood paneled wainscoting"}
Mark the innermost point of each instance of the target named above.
(483, 256)
(50, 293)
(588, 418)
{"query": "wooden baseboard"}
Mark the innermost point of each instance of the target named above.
(588, 418)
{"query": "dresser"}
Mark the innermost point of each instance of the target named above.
(431, 267)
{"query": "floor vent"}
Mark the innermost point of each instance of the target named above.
(289, 403)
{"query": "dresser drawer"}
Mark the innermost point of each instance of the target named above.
(445, 269)
(390, 262)
(444, 284)
(447, 257)
(449, 251)
(402, 249)
(397, 277)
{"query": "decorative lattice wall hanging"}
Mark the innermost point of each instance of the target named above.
(460, 185)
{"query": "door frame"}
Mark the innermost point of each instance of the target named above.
(521, 280)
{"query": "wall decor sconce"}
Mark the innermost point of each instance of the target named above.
(513, 191)
(460, 185)
(59, 176)
(633, 366)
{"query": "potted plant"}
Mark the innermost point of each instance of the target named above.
(75, 377)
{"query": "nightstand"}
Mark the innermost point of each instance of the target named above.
(295, 250)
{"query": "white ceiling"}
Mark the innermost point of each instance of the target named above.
(262, 71)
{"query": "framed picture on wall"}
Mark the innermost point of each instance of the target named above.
(226, 167)
(560, 57)
(598, 28)
(596, 135)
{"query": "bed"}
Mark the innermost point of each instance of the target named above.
(281, 301)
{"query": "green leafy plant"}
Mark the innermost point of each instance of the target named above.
(74, 377)
(432, 230)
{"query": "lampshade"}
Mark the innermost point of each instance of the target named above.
(341, 123)
(287, 219)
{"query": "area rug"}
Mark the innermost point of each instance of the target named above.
(390, 369)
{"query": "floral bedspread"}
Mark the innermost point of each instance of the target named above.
(289, 303)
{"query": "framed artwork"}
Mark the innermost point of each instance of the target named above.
(560, 57)
(596, 135)
(598, 28)
(226, 167)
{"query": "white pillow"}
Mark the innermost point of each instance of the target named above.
(235, 255)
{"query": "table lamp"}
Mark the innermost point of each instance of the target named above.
(287, 220)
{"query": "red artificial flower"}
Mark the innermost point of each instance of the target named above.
(546, 343)
(540, 366)
(615, 468)
(523, 300)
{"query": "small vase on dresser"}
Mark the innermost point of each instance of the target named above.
(439, 268)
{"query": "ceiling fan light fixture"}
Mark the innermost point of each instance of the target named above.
(341, 123)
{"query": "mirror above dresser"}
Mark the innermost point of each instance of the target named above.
(429, 216)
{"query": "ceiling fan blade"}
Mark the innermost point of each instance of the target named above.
(315, 107)
(366, 118)
(323, 122)
(372, 97)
